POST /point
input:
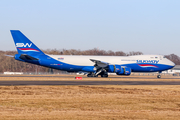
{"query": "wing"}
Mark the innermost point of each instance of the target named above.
(100, 63)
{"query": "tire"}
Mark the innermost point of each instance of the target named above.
(158, 76)
(104, 75)
(89, 75)
(92, 75)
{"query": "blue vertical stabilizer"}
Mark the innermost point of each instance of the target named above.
(23, 44)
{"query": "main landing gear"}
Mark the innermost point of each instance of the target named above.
(101, 71)
(92, 75)
(103, 74)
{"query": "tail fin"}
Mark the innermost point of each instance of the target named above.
(23, 44)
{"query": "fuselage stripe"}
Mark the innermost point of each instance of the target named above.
(147, 65)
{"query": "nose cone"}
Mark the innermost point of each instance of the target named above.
(171, 64)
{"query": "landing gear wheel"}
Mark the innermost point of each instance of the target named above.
(95, 76)
(104, 75)
(92, 75)
(158, 76)
(89, 75)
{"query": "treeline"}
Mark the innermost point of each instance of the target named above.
(12, 65)
(94, 51)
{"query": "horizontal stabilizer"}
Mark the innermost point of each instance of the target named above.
(9, 55)
(27, 57)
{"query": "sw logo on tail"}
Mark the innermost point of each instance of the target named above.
(23, 45)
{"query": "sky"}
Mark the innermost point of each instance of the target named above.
(148, 26)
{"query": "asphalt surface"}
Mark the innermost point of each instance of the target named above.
(135, 77)
(34, 76)
(18, 83)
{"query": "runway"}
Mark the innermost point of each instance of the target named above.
(71, 76)
(20, 83)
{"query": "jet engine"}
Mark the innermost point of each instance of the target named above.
(114, 68)
(119, 70)
(124, 71)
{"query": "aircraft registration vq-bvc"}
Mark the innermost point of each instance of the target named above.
(93, 65)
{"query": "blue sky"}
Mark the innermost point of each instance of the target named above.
(149, 26)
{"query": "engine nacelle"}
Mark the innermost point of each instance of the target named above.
(119, 70)
(124, 71)
(114, 68)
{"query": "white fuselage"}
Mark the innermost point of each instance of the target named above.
(81, 60)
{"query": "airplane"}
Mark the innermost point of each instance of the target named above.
(93, 65)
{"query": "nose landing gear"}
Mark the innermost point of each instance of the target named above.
(159, 76)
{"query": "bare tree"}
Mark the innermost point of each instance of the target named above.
(174, 58)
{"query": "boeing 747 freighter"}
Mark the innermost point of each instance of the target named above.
(93, 65)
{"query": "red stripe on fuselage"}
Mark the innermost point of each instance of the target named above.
(147, 65)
